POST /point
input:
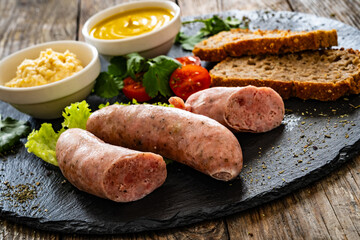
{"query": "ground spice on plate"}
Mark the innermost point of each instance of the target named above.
(20, 193)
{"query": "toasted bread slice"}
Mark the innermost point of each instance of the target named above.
(324, 75)
(239, 42)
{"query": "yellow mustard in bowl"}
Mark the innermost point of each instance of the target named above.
(131, 23)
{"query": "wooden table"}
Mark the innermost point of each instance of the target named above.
(327, 209)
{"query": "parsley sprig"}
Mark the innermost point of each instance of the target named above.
(211, 27)
(155, 78)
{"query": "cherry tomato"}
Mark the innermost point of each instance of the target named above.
(188, 80)
(135, 90)
(187, 60)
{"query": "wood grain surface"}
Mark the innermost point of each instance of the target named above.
(327, 209)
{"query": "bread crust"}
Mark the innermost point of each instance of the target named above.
(283, 88)
(291, 84)
(239, 42)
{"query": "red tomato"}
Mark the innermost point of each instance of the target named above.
(187, 60)
(188, 80)
(135, 90)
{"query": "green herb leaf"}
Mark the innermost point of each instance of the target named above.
(135, 64)
(211, 27)
(119, 82)
(156, 79)
(189, 42)
(42, 142)
(106, 86)
(233, 22)
(118, 67)
(214, 25)
(11, 130)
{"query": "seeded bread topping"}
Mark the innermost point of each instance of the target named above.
(239, 42)
(324, 75)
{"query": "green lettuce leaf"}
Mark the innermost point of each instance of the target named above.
(134, 102)
(76, 115)
(42, 142)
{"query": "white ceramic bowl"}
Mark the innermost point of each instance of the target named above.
(149, 44)
(48, 101)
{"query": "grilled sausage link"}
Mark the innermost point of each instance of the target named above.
(191, 139)
(108, 171)
(241, 109)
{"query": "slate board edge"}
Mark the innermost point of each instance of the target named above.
(347, 153)
(140, 225)
(259, 12)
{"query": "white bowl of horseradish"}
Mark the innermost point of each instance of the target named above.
(23, 76)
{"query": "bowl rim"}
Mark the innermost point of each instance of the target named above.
(85, 29)
(91, 48)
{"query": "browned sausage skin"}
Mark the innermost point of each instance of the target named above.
(108, 171)
(191, 139)
(243, 109)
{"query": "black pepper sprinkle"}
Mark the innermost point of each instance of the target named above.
(20, 193)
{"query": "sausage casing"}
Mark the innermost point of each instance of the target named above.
(191, 139)
(241, 109)
(108, 171)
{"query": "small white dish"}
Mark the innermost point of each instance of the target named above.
(48, 101)
(149, 45)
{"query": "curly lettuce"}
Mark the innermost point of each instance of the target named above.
(76, 115)
(42, 142)
(134, 102)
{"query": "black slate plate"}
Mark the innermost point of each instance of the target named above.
(314, 139)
